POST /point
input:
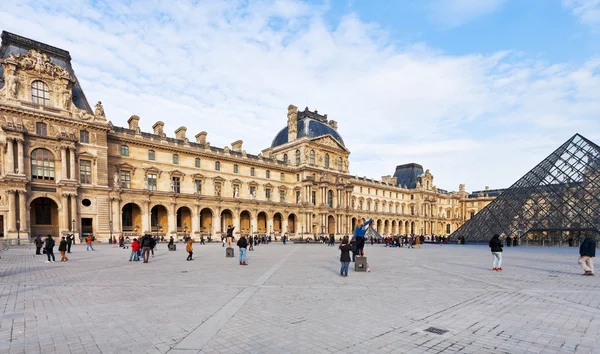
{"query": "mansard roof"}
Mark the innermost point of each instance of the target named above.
(15, 44)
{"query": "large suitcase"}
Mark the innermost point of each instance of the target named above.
(360, 264)
(229, 252)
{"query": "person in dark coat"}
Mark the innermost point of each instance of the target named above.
(62, 248)
(242, 244)
(496, 248)
(49, 247)
(70, 241)
(38, 245)
(587, 251)
(344, 256)
(146, 244)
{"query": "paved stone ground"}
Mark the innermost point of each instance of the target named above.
(290, 299)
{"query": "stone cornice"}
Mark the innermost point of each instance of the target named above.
(37, 114)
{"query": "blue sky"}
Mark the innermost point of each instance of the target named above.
(477, 91)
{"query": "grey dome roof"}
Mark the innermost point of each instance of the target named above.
(310, 125)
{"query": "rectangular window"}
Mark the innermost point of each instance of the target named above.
(152, 181)
(198, 186)
(235, 168)
(282, 196)
(84, 137)
(297, 177)
(151, 155)
(282, 177)
(268, 193)
(176, 185)
(124, 150)
(268, 174)
(252, 171)
(217, 166)
(176, 159)
(85, 171)
(197, 162)
(125, 179)
(40, 129)
(314, 198)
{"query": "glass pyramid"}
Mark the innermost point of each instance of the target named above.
(554, 202)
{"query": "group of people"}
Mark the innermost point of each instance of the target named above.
(47, 245)
(142, 248)
(411, 241)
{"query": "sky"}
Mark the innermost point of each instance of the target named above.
(476, 91)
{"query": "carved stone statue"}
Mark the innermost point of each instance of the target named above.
(99, 110)
(66, 99)
(116, 180)
(172, 186)
(236, 192)
(11, 85)
(217, 189)
(145, 182)
(346, 164)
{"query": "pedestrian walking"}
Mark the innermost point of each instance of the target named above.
(154, 242)
(242, 244)
(114, 242)
(135, 247)
(62, 248)
(223, 241)
(202, 240)
(89, 241)
(587, 251)
(38, 245)
(496, 248)
(49, 248)
(250, 243)
(146, 246)
(189, 249)
(121, 241)
(418, 241)
(171, 244)
(344, 256)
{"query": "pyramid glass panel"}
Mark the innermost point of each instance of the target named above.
(557, 200)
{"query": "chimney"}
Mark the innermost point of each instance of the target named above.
(292, 117)
(134, 122)
(180, 133)
(487, 188)
(237, 146)
(333, 124)
(201, 138)
(158, 128)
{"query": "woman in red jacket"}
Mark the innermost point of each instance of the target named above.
(135, 248)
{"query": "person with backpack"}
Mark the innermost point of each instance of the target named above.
(242, 244)
(146, 246)
(344, 256)
(49, 248)
(496, 248)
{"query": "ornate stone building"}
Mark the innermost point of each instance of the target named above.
(65, 168)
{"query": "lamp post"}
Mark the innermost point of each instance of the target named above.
(302, 234)
(110, 230)
(18, 232)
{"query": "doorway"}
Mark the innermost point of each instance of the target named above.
(87, 227)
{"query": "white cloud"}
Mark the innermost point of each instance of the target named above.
(454, 13)
(231, 69)
(588, 11)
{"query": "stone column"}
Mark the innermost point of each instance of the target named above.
(74, 213)
(253, 223)
(146, 217)
(116, 215)
(10, 156)
(236, 223)
(172, 217)
(63, 164)
(72, 161)
(195, 227)
(216, 225)
(22, 211)
(12, 211)
(20, 157)
(63, 217)
(284, 225)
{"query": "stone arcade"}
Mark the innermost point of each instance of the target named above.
(65, 168)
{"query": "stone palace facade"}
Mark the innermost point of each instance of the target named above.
(65, 169)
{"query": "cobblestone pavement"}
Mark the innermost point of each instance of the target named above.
(290, 299)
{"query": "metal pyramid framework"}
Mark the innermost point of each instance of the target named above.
(559, 198)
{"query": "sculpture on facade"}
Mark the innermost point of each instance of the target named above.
(116, 180)
(66, 99)
(34, 60)
(218, 189)
(99, 110)
(172, 185)
(236, 191)
(11, 85)
(146, 183)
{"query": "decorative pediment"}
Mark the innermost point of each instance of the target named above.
(87, 156)
(282, 188)
(177, 173)
(329, 141)
(125, 166)
(152, 170)
(236, 181)
(268, 185)
(219, 179)
(198, 176)
(38, 62)
(253, 184)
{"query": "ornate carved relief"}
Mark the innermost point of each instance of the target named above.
(39, 62)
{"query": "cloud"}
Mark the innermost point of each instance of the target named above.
(454, 13)
(231, 68)
(587, 11)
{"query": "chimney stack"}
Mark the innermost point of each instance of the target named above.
(292, 116)
(134, 122)
(201, 138)
(158, 128)
(237, 146)
(180, 133)
(333, 124)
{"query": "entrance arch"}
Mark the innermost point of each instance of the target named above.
(291, 224)
(226, 219)
(353, 225)
(378, 229)
(184, 220)
(159, 219)
(245, 222)
(277, 222)
(43, 217)
(331, 225)
(386, 227)
(262, 222)
(394, 230)
(412, 227)
(131, 217)
(206, 217)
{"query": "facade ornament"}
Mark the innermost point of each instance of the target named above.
(40, 62)
(217, 189)
(116, 180)
(236, 192)
(99, 111)
(145, 182)
(66, 98)
(172, 186)
(82, 114)
(11, 85)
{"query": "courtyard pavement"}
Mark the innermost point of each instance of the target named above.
(290, 299)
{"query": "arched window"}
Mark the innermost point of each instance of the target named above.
(42, 165)
(312, 157)
(330, 198)
(197, 163)
(217, 166)
(340, 165)
(297, 157)
(326, 160)
(40, 93)
(236, 169)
